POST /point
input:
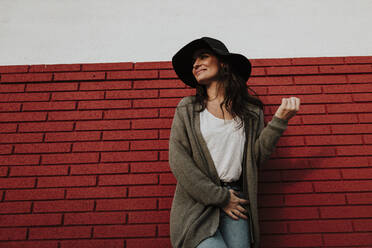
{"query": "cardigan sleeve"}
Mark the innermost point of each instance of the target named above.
(267, 137)
(197, 184)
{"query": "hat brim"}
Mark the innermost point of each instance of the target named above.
(182, 62)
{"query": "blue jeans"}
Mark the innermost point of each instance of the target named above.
(230, 233)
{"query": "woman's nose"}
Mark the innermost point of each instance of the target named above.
(196, 64)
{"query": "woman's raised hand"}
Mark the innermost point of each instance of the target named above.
(288, 108)
(233, 208)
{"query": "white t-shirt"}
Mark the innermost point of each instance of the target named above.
(225, 144)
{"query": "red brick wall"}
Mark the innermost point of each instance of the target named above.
(83, 154)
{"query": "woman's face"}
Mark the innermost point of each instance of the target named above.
(205, 66)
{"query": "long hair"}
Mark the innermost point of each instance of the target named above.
(236, 93)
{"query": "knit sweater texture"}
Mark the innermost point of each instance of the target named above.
(199, 196)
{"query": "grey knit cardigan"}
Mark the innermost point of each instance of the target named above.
(199, 196)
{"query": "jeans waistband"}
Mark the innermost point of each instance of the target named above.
(235, 184)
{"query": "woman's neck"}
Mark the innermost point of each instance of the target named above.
(215, 93)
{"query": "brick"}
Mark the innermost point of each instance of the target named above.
(9, 107)
(285, 90)
(343, 186)
(163, 230)
(107, 168)
(13, 234)
(320, 79)
(46, 126)
(3, 173)
(102, 125)
(130, 113)
(167, 179)
(104, 104)
(293, 240)
(96, 192)
(30, 220)
(151, 123)
(362, 225)
(72, 136)
(163, 155)
(107, 66)
(48, 106)
(354, 150)
(273, 227)
(17, 183)
(51, 87)
(347, 239)
(82, 95)
(291, 70)
(152, 103)
(334, 140)
(13, 68)
(289, 213)
(71, 76)
(26, 77)
(347, 88)
(362, 97)
(317, 61)
(270, 62)
(75, 115)
(268, 176)
(271, 201)
(360, 78)
(149, 145)
(94, 218)
(269, 81)
(358, 59)
(154, 243)
(291, 141)
(126, 204)
(304, 152)
(165, 203)
(314, 199)
(159, 190)
(360, 173)
(7, 128)
(346, 212)
(54, 68)
(66, 181)
(124, 231)
(100, 146)
(343, 69)
(21, 138)
(105, 85)
(19, 159)
(92, 243)
(72, 158)
(131, 94)
(349, 108)
(359, 198)
(63, 206)
(21, 117)
(167, 74)
(30, 244)
(34, 194)
(15, 207)
(6, 149)
(24, 97)
(59, 232)
(330, 119)
(128, 156)
(42, 148)
(149, 167)
(311, 174)
(167, 112)
(130, 135)
(132, 74)
(283, 188)
(153, 65)
(38, 170)
(148, 217)
(351, 129)
(7, 88)
(164, 93)
(329, 98)
(132, 179)
(158, 84)
(323, 226)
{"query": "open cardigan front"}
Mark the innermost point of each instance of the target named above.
(199, 196)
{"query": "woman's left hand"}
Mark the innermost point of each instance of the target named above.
(288, 108)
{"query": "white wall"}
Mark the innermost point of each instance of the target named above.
(80, 31)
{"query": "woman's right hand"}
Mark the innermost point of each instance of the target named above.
(234, 208)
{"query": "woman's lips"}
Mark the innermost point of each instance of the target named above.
(198, 72)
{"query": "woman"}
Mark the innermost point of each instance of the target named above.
(217, 143)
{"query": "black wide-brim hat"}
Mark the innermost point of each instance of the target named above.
(182, 60)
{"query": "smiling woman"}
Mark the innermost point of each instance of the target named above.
(217, 142)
